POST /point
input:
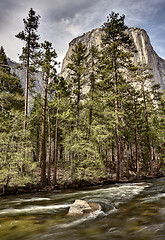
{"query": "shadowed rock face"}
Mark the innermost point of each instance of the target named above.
(81, 207)
(21, 74)
(145, 53)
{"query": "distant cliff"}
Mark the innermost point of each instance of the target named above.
(21, 74)
(145, 52)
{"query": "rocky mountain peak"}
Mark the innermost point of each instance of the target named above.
(145, 53)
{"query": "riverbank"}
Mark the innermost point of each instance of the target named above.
(77, 184)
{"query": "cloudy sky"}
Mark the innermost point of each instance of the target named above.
(63, 20)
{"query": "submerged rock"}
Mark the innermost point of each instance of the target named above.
(81, 207)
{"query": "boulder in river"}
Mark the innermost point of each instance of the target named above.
(81, 207)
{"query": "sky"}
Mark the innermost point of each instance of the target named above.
(63, 20)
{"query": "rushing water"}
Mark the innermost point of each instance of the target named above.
(133, 211)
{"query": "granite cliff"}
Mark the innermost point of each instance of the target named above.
(21, 74)
(145, 52)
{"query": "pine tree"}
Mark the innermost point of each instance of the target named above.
(146, 118)
(11, 92)
(48, 64)
(30, 51)
(4, 66)
(14, 168)
(93, 76)
(58, 107)
(77, 82)
(160, 128)
(35, 126)
(116, 54)
(77, 67)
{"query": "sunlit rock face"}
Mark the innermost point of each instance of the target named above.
(145, 52)
(88, 39)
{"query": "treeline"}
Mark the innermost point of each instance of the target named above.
(105, 119)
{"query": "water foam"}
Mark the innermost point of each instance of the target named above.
(116, 194)
(157, 197)
(34, 209)
(35, 199)
(83, 219)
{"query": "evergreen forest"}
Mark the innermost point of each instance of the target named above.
(104, 122)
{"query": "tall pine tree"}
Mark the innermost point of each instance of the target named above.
(30, 51)
(48, 64)
(116, 54)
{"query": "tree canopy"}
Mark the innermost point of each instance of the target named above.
(105, 120)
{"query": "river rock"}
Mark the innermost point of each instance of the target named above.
(81, 207)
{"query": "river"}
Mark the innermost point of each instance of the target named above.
(131, 211)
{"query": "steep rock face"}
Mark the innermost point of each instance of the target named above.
(145, 53)
(90, 38)
(21, 74)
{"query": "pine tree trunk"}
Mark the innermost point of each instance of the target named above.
(118, 143)
(26, 99)
(72, 165)
(113, 157)
(49, 151)
(26, 92)
(54, 136)
(78, 105)
(43, 137)
(38, 145)
(89, 124)
(127, 144)
(56, 152)
(91, 108)
(137, 154)
(148, 135)
(26, 106)
(137, 143)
